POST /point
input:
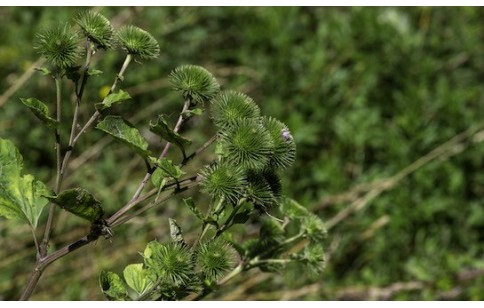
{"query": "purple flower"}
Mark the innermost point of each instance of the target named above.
(285, 134)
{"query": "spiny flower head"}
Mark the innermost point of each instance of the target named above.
(229, 106)
(59, 45)
(248, 144)
(138, 42)
(194, 82)
(97, 28)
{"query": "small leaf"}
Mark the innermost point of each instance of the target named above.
(113, 98)
(94, 72)
(158, 179)
(136, 278)
(125, 132)
(190, 113)
(41, 111)
(160, 127)
(112, 286)
(168, 169)
(21, 198)
(176, 232)
(79, 202)
(43, 70)
(191, 205)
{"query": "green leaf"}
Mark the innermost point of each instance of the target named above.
(191, 206)
(158, 179)
(43, 70)
(176, 232)
(167, 168)
(113, 98)
(160, 127)
(81, 203)
(125, 132)
(21, 197)
(190, 113)
(136, 278)
(41, 111)
(112, 286)
(94, 72)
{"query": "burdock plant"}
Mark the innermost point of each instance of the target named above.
(242, 183)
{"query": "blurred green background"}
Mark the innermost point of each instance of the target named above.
(386, 106)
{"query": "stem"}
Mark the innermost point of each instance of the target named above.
(44, 246)
(147, 177)
(42, 263)
(236, 271)
(96, 114)
(75, 118)
(229, 222)
(148, 206)
(199, 150)
(206, 226)
(50, 218)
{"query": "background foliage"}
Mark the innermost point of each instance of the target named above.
(372, 96)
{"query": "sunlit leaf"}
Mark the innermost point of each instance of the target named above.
(112, 286)
(21, 197)
(125, 132)
(113, 98)
(136, 278)
(176, 232)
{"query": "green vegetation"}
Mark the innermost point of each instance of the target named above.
(385, 106)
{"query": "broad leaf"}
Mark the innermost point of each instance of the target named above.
(113, 98)
(175, 232)
(41, 111)
(137, 278)
(81, 203)
(162, 129)
(112, 286)
(125, 132)
(191, 205)
(21, 197)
